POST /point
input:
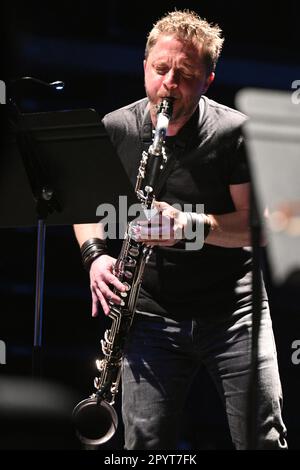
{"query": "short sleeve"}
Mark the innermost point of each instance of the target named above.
(238, 163)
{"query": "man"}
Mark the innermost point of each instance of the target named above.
(194, 306)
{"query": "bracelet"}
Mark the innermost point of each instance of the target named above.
(92, 249)
(196, 221)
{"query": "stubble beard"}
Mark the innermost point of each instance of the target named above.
(179, 113)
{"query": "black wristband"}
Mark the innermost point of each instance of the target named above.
(92, 249)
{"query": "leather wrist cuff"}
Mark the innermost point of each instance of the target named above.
(92, 249)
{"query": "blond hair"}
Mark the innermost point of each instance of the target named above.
(188, 26)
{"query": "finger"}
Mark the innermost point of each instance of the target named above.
(109, 278)
(160, 205)
(102, 300)
(98, 297)
(158, 232)
(108, 293)
(114, 281)
(105, 306)
(156, 235)
(95, 303)
(155, 219)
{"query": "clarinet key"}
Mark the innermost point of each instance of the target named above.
(133, 251)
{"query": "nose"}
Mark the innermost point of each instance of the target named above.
(171, 79)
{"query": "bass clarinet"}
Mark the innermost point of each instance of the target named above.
(95, 418)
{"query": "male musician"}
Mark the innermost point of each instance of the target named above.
(195, 305)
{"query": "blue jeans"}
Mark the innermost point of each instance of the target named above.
(162, 357)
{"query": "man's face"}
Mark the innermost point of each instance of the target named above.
(175, 68)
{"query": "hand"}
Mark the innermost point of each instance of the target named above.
(102, 280)
(165, 228)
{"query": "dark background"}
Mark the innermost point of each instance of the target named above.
(98, 52)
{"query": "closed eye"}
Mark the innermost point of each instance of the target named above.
(161, 70)
(186, 75)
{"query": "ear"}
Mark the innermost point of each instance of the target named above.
(209, 81)
(145, 63)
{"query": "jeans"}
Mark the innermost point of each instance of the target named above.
(162, 356)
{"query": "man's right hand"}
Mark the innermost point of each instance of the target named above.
(102, 281)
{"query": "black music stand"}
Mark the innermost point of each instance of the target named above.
(56, 169)
(273, 148)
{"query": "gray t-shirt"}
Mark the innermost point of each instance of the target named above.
(208, 155)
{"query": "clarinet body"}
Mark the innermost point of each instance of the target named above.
(95, 418)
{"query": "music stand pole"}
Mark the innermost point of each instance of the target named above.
(46, 202)
(39, 296)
